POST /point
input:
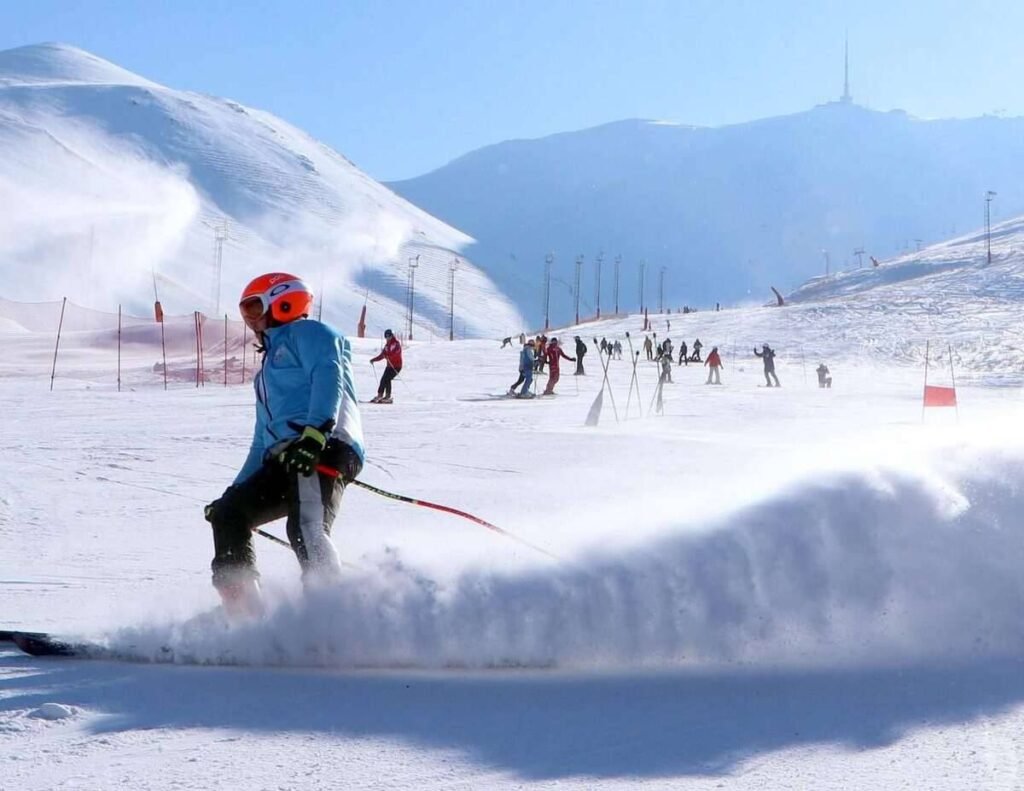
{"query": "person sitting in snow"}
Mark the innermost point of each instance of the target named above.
(307, 444)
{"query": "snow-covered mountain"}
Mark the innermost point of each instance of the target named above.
(727, 211)
(110, 181)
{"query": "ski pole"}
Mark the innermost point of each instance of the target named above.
(271, 537)
(264, 533)
(635, 356)
(445, 508)
(605, 362)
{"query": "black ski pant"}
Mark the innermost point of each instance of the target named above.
(579, 366)
(310, 505)
(384, 389)
(770, 372)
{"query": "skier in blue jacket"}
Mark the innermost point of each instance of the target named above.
(307, 444)
(526, 360)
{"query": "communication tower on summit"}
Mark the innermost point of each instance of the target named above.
(846, 98)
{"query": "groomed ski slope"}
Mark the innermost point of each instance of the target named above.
(759, 589)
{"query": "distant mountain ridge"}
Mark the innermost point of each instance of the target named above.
(728, 211)
(113, 184)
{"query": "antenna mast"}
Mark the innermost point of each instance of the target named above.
(846, 98)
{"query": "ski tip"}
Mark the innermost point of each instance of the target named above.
(41, 644)
(7, 635)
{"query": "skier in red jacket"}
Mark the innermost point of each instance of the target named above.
(392, 352)
(714, 363)
(553, 353)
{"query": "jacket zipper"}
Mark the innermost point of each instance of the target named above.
(261, 389)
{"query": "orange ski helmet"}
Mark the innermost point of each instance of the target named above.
(285, 297)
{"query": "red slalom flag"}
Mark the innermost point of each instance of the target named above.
(939, 396)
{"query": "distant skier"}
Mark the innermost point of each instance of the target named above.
(714, 363)
(697, 346)
(604, 346)
(683, 359)
(506, 342)
(581, 352)
(541, 354)
(554, 352)
(768, 356)
(617, 350)
(307, 444)
(526, 360)
(648, 347)
(392, 354)
(824, 376)
(665, 361)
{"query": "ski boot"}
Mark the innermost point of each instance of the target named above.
(241, 598)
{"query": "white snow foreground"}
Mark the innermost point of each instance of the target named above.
(110, 181)
(759, 589)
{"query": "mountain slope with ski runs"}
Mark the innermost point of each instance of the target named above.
(111, 182)
(728, 211)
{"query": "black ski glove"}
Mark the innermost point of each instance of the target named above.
(303, 455)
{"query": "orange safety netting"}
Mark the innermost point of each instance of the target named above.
(199, 350)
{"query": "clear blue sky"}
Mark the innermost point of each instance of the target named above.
(403, 86)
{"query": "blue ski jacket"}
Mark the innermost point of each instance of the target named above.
(526, 359)
(305, 380)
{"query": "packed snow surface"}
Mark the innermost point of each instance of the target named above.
(758, 588)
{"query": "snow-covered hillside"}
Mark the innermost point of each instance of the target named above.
(758, 588)
(728, 211)
(947, 294)
(107, 178)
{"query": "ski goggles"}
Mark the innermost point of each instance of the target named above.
(253, 308)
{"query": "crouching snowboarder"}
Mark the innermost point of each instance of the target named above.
(307, 444)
